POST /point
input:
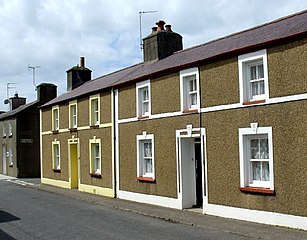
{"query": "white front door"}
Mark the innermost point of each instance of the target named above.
(191, 180)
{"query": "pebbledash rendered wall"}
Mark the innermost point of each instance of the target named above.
(287, 71)
(219, 82)
(165, 98)
(84, 133)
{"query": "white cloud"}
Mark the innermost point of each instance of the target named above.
(54, 34)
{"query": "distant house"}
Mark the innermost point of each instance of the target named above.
(20, 138)
(219, 126)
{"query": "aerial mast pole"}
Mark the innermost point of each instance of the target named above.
(140, 16)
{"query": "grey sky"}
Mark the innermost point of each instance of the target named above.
(53, 34)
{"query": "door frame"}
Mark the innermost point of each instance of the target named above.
(191, 133)
(73, 141)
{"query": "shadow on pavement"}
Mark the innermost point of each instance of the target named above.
(7, 217)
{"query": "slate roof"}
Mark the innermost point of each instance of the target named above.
(14, 112)
(270, 33)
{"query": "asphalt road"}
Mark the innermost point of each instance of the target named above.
(27, 213)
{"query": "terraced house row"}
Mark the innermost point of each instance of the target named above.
(219, 126)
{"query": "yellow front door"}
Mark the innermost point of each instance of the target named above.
(74, 165)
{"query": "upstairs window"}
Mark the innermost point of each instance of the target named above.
(95, 110)
(73, 114)
(10, 129)
(256, 157)
(55, 118)
(56, 163)
(95, 156)
(3, 130)
(145, 155)
(253, 77)
(189, 90)
(143, 99)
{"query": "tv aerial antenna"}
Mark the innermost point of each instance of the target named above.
(140, 16)
(8, 87)
(33, 68)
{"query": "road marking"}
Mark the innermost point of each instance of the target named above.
(19, 182)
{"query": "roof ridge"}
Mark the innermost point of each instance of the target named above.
(246, 30)
(116, 71)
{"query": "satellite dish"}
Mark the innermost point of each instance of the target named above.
(6, 101)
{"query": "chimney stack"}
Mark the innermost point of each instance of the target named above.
(82, 60)
(78, 75)
(16, 101)
(161, 43)
(46, 92)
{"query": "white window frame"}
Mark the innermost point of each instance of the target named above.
(245, 135)
(94, 169)
(94, 114)
(73, 116)
(10, 156)
(244, 62)
(140, 159)
(186, 92)
(140, 87)
(10, 129)
(56, 158)
(55, 118)
(3, 130)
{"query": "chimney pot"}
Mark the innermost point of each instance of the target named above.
(154, 29)
(160, 25)
(168, 28)
(82, 62)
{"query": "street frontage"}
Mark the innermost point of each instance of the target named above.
(28, 211)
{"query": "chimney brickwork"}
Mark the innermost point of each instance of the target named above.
(78, 75)
(46, 92)
(161, 43)
(16, 101)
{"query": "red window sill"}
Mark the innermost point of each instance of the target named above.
(146, 179)
(56, 170)
(95, 175)
(256, 190)
(254, 102)
(55, 131)
(190, 111)
(94, 126)
(73, 129)
(143, 117)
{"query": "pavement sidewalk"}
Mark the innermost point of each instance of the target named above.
(241, 228)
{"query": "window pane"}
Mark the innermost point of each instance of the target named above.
(95, 105)
(193, 98)
(261, 87)
(264, 149)
(260, 71)
(148, 166)
(265, 171)
(255, 88)
(145, 94)
(145, 107)
(254, 148)
(253, 74)
(192, 85)
(147, 149)
(256, 171)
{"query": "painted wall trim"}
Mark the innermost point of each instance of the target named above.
(107, 192)
(222, 107)
(103, 125)
(57, 183)
(150, 199)
(257, 216)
